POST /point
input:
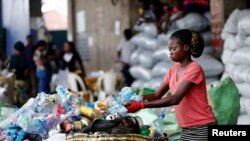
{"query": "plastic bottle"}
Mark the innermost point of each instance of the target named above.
(110, 101)
(158, 124)
(144, 131)
(118, 108)
(30, 105)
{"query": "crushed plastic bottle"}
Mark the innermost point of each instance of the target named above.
(158, 124)
(110, 100)
(118, 108)
(126, 94)
(30, 105)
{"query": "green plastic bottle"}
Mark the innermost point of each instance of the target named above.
(145, 91)
(144, 131)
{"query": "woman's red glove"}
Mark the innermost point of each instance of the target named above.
(135, 106)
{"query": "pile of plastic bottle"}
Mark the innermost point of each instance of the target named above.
(66, 111)
(155, 129)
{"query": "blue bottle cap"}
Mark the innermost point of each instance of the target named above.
(162, 115)
(90, 105)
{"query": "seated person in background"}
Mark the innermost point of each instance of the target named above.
(146, 14)
(71, 60)
(162, 25)
(18, 62)
(19, 65)
(182, 7)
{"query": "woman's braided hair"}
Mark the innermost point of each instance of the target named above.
(192, 38)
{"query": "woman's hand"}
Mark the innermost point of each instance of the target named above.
(135, 106)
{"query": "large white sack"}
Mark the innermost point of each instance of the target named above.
(231, 43)
(193, 21)
(138, 27)
(244, 89)
(162, 47)
(226, 74)
(247, 41)
(243, 40)
(244, 26)
(212, 80)
(244, 105)
(150, 29)
(170, 32)
(174, 15)
(231, 25)
(226, 55)
(161, 69)
(208, 50)
(145, 59)
(146, 84)
(233, 71)
(207, 38)
(243, 119)
(154, 83)
(162, 39)
(146, 28)
(241, 56)
(137, 83)
(239, 73)
(134, 59)
(211, 66)
(144, 41)
(138, 72)
(207, 15)
(240, 38)
(161, 55)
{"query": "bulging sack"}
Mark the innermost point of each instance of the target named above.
(140, 72)
(225, 100)
(193, 21)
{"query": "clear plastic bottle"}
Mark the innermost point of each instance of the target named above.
(29, 106)
(158, 124)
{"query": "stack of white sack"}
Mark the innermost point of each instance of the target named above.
(150, 62)
(235, 56)
(142, 58)
(193, 21)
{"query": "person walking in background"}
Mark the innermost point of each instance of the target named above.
(28, 54)
(18, 61)
(124, 51)
(43, 69)
(186, 82)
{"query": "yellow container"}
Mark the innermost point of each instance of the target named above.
(86, 111)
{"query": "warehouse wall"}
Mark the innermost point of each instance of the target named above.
(133, 12)
(100, 17)
(220, 11)
(15, 22)
(230, 5)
